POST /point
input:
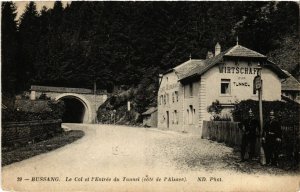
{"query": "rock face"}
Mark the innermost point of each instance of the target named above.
(115, 109)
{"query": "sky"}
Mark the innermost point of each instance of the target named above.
(39, 4)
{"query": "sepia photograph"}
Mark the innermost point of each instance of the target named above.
(150, 96)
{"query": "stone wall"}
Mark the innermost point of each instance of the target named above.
(23, 132)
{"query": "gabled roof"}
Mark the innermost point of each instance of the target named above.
(290, 84)
(236, 51)
(240, 51)
(188, 66)
(207, 64)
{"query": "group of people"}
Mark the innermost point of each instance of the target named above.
(271, 138)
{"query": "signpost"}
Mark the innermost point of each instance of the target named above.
(258, 84)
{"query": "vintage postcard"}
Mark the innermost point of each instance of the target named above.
(150, 96)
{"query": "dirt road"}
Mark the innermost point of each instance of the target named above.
(119, 158)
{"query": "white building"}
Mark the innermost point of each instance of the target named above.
(187, 90)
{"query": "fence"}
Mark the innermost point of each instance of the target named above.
(22, 132)
(222, 131)
(230, 133)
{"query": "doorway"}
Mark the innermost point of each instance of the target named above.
(168, 119)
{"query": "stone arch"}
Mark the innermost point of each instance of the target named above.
(88, 107)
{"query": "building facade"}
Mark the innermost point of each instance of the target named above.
(186, 91)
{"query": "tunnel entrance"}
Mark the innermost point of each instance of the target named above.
(75, 111)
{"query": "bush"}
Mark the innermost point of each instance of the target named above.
(56, 112)
(43, 96)
(286, 112)
(57, 109)
(215, 110)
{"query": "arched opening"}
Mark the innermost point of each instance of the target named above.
(77, 108)
(74, 110)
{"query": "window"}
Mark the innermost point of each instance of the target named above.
(191, 114)
(165, 99)
(236, 62)
(188, 116)
(225, 86)
(176, 95)
(175, 117)
(191, 89)
(249, 63)
(173, 97)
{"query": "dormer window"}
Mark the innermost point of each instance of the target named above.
(236, 62)
(249, 63)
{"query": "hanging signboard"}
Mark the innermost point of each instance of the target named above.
(257, 82)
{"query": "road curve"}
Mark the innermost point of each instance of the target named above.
(130, 154)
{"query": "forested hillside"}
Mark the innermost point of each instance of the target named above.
(129, 43)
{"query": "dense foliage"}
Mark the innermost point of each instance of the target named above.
(119, 42)
(126, 43)
(56, 110)
(286, 112)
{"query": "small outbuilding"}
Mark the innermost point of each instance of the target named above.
(150, 117)
(290, 88)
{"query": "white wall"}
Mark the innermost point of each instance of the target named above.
(169, 84)
(208, 89)
(241, 85)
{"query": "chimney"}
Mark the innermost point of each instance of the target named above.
(209, 55)
(217, 49)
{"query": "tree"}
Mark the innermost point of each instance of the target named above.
(120, 43)
(29, 35)
(9, 49)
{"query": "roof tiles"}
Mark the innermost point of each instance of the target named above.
(194, 67)
(290, 84)
(188, 67)
(240, 51)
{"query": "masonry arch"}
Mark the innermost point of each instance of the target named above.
(83, 113)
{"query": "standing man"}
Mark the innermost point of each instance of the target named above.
(272, 135)
(250, 128)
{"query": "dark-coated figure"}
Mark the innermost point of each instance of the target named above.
(272, 136)
(250, 127)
